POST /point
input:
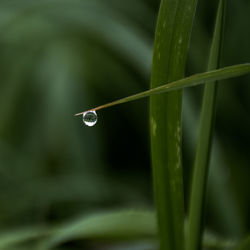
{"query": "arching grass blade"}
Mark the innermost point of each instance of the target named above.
(201, 165)
(197, 79)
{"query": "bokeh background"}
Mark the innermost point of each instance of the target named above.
(60, 57)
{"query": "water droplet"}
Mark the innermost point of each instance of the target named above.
(89, 118)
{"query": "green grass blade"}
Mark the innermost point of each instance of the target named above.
(19, 237)
(169, 60)
(198, 189)
(197, 79)
(224, 202)
(113, 226)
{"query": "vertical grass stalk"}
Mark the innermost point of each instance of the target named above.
(201, 164)
(170, 52)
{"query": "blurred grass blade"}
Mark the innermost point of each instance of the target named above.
(115, 226)
(15, 238)
(172, 37)
(122, 225)
(198, 189)
(212, 241)
(197, 79)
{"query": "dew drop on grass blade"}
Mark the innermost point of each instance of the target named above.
(89, 118)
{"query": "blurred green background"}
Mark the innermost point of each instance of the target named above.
(60, 57)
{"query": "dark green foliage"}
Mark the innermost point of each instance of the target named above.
(59, 57)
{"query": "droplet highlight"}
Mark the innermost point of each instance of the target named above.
(89, 118)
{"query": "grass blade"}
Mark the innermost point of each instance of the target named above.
(111, 226)
(169, 60)
(197, 79)
(114, 226)
(198, 189)
(224, 202)
(9, 240)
